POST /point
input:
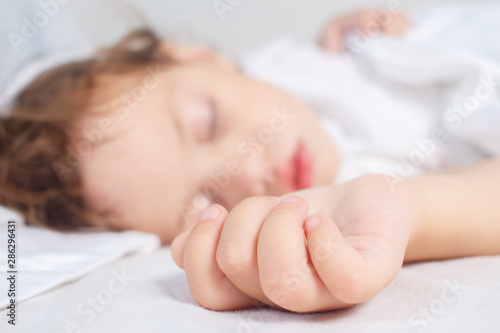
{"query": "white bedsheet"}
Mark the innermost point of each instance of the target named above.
(455, 296)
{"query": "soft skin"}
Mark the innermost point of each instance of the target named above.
(358, 234)
(258, 249)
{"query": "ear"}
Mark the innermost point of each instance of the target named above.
(197, 55)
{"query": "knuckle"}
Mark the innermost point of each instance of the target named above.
(353, 289)
(288, 292)
(273, 287)
(284, 213)
(233, 258)
(251, 201)
(279, 214)
(250, 204)
(240, 211)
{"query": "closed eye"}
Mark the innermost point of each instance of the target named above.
(203, 115)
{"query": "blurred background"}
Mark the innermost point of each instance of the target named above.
(32, 29)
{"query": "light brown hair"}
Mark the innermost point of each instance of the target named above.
(35, 135)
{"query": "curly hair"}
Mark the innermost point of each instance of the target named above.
(35, 136)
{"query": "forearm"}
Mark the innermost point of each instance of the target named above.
(458, 213)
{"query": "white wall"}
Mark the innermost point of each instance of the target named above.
(74, 23)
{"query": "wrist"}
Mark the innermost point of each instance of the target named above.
(417, 227)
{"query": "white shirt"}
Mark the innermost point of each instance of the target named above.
(397, 106)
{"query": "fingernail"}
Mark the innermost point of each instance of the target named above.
(311, 223)
(290, 199)
(210, 213)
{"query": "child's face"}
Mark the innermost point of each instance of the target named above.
(201, 134)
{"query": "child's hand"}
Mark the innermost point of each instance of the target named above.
(259, 252)
(364, 22)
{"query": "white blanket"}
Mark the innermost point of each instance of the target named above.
(46, 258)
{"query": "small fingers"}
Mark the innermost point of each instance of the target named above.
(287, 277)
(366, 23)
(237, 250)
(350, 276)
(332, 40)
(208, 284)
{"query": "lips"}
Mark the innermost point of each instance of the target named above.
(296, 174)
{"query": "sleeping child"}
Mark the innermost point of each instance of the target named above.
(303, 178)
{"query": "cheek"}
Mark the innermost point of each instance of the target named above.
(167, 234)
(326, 156)
(150, 215)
